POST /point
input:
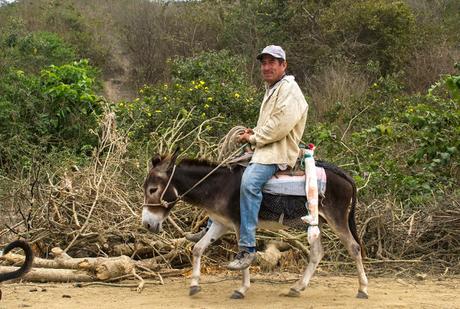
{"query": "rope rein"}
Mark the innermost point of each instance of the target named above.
(162, 201)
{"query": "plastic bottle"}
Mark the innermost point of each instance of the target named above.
(311, 188)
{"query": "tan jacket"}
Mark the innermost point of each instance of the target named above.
(281, 123)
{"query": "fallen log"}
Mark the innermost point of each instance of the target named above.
(101, 268)
(17, 259)
(61, 260)
(52, 275)
(112, 267)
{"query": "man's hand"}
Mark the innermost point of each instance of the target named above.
(244, 137)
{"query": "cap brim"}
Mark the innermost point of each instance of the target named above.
(259, 56)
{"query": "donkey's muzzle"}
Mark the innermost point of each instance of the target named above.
(153, 227)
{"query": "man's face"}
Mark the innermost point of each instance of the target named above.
(272, 69)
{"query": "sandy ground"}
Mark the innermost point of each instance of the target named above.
(324, 292)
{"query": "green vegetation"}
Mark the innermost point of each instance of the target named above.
(44, 106)
(34, 51)
(379, 76)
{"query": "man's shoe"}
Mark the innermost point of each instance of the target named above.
(242, 260)
(195, 237)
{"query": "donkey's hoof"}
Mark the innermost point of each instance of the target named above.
(237, 295)
(362, 295)
(292, 293)
(194, 290)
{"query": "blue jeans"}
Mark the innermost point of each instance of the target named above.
(254, 178)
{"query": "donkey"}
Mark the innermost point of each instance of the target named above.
(217, 189)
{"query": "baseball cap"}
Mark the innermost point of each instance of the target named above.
(273, 50)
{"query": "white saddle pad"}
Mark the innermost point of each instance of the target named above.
(294, 185)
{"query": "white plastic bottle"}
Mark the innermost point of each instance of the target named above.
(311, 188)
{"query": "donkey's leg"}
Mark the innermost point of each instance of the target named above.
(316, 254)
(341, 228)
(354, 249)
(241, 291)
(215, 232)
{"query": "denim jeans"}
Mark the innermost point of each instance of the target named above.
(254, 178)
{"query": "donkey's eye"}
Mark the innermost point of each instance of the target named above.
(153, 190)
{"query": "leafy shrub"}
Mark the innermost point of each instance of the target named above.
(34, 51)
(408, 143)
(55, 110)
(83, 31)
(72, 105)
(82, 24)
(19, 98)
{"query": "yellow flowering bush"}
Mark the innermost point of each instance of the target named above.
(211, 84)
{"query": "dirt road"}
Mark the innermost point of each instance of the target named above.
(324, 292)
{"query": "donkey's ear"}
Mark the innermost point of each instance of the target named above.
(156, 159)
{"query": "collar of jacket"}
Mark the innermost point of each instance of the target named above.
(270, 89)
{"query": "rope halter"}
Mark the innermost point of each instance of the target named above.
(162, 202)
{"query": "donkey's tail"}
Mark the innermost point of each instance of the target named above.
(351, 218)
(27, 263)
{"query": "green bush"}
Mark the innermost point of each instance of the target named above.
(19, 98)
(412, 145)
(85, 25)
(34, 51)
(56, 110)
(72, 105)
(210, 85)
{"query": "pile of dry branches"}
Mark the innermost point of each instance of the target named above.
(427, 238)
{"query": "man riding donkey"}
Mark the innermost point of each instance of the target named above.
(276, 139)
